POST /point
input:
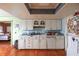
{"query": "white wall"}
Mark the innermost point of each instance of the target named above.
(5, 16)
(20, 10)
(17, 30)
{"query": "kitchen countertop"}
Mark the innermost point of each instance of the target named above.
(44, 32)
(60, 34)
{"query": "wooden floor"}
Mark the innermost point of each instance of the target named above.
(7, 50)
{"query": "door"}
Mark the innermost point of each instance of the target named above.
(43, 42)
(35, 42)
(51, 43)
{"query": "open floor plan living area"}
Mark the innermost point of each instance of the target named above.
(39, 29)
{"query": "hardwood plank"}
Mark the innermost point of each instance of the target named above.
(7, 50)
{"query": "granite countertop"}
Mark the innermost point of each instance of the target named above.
(29, 33)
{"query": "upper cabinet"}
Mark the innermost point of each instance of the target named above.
(58, 24)
(48, 24)
(29, 24)
(53, 25)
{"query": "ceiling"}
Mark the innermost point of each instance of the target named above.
(43, 8)
(21, 11)
(43, 5)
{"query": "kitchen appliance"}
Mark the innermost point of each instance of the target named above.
(72, 45)
(73, 35)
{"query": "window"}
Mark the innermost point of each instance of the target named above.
(1, 29)
(8, 29)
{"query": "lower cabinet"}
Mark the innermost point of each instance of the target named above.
(43, 42)
(21, 44)
(60, 42)
(50, 43)
(35, 44)
(28, 43)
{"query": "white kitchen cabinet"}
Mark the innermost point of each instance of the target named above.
(35, 43)
(58, 24)
(50, 43)
(48, 25)
(28, 42)
(30, 24)
(60, 42)
(21, 44)
(43, 42)
(53, 24)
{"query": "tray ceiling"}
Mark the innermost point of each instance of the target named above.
(20, 11)
(43, 5)
(43, 8)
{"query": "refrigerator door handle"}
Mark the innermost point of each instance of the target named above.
(73, 38)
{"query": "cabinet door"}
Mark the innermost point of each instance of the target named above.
(36, 42)
(51, 43)
(21, 44)
(42, 42)
(60, 42)
(28, 43)
(58, 24)
(30, 24)
(53, 24)
(48, 25)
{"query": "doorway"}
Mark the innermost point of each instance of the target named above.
(5, 32)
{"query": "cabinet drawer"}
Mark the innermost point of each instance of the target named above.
(28, 43)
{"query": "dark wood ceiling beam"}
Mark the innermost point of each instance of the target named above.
(59, 7)
(27, 6)
(44, 11)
